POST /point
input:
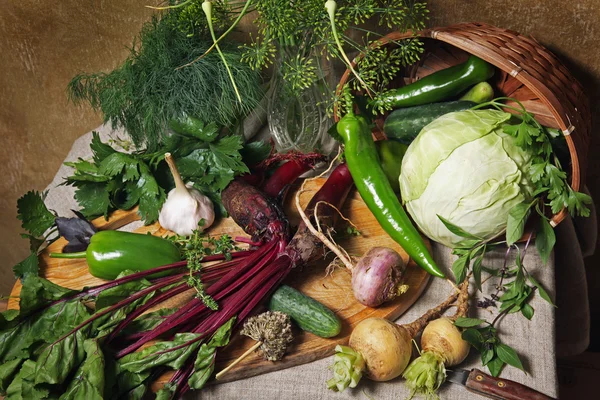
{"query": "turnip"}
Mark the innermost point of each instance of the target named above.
(442, 346)
(376, 277)
(381, 347)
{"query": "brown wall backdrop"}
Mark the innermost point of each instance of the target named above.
(44, 44)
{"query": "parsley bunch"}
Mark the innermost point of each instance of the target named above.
(119, 180)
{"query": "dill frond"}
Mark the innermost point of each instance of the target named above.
(147, 91)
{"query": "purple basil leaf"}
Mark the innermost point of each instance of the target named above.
(77, 231)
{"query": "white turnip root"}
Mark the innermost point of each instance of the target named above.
(377, 277)
(384, 347)
(442, 346)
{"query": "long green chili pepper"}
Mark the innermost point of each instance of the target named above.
(375, 190)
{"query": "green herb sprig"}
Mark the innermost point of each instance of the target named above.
(194, 248)
(494, 353)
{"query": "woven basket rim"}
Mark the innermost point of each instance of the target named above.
(471, 47)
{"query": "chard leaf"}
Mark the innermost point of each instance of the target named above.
(161, 353)
(58, 360)
(38, 292)
(205, 360)
(148, 321)
(509, 356)
(255, 152)
(19, 340)
(7, 373)
(516, 222)
(22, 387)
(113, 295)
(35, 217)
(167, 392)
(88, 382)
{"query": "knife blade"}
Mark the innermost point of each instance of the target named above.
(486, 385)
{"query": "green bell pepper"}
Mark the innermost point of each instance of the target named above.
(112, 252)
(391, 154)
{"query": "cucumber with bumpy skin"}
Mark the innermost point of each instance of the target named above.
(309, 314)
(405, 124)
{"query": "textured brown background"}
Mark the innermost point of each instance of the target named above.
(44, 44)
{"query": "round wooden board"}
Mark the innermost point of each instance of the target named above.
(332, 289)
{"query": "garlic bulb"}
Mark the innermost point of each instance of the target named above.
(185, 206)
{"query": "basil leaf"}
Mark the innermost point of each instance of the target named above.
(456, 229)
(459, 268)
(543, 294)
(517, 217)
(486, 356)
(495, 366)
(464, 322)
(509, 356)
(545, 239)
(527, 311)
(473, 337)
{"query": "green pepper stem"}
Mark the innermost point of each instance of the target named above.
(80, 254)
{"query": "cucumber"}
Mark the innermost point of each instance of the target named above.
(309, 314)
(405, 124)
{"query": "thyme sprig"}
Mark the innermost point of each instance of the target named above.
(194, 248)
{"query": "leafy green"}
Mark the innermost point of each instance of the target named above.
(149, 90)
(517, 217)
(35, 217)
(88, 383)
(118, 180)
(494, 353)
(205, 360)
(28, 266)
(22, 386)
(170, 353)
(545, 239)
(464, 322)
(59, 359)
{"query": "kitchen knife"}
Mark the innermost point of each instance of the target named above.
(494, 388)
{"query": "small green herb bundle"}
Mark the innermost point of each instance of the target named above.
(119, 180)
(148, 90)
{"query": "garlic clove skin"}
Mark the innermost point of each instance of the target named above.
(183, 210)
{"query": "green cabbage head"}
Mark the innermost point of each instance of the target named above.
(463, 167)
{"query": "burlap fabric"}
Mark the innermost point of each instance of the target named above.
(535, 340)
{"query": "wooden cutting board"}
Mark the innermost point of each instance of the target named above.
(333, 289)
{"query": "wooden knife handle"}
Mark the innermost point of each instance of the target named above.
(501, 389)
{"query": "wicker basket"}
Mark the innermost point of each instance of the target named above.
(528, 72)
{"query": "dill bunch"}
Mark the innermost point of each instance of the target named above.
(148, 90)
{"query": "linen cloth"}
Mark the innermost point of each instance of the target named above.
(535, 340)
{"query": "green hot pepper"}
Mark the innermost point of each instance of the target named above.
(112, 252)
(440, 85)
(391, 154)
(374, 188)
